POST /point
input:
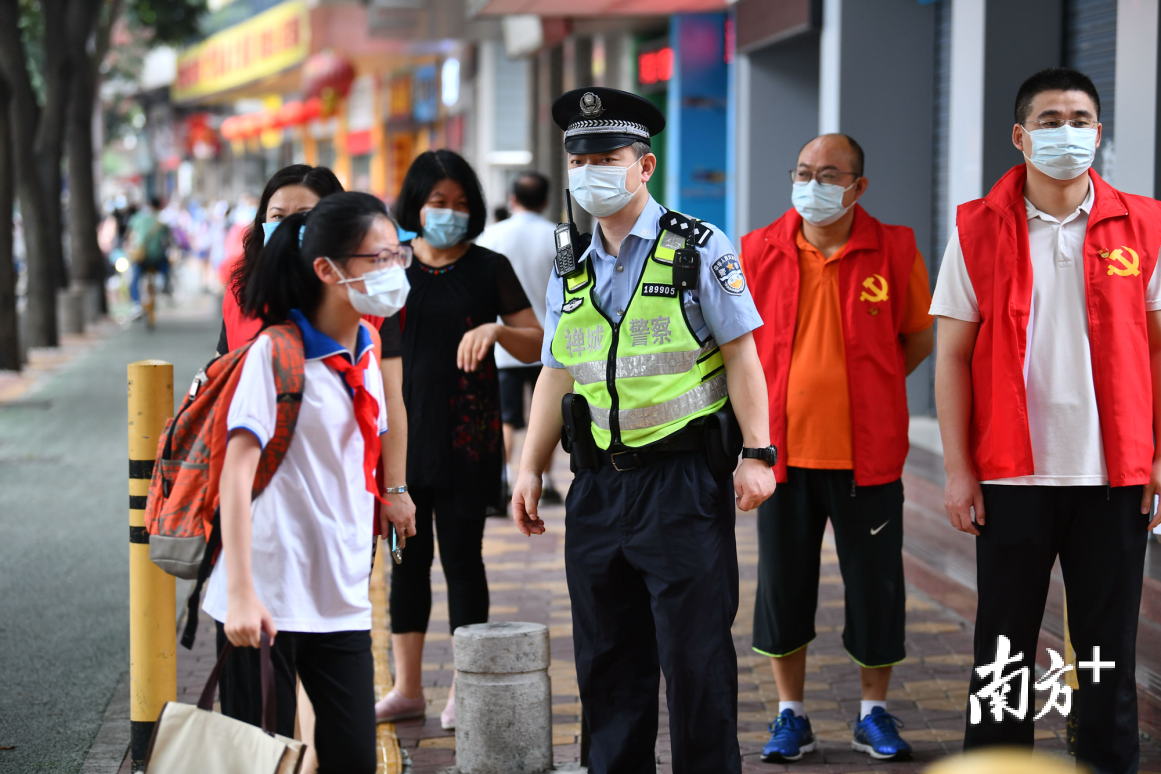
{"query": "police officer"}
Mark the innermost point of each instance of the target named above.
(648, 346)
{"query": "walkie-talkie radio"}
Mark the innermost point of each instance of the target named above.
(570, 243)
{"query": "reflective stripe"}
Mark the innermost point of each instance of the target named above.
(659, 364)
(682, 406)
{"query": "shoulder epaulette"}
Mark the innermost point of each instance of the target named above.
(694, 230)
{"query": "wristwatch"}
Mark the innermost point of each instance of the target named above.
(395, 490)
(768, 454)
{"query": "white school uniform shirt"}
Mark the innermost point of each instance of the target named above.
(1062, 410)
(528, 241)
(313, 526)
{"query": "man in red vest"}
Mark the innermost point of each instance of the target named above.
(844, 300)
(1047, 383)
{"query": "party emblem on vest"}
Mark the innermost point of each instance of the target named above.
(1124, 261)
(728, 271)
(876, 289)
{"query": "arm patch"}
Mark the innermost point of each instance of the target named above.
(728, 272)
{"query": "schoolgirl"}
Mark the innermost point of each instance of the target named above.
(298, 188)
(296, 561)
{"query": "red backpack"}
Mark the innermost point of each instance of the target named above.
(181, 515)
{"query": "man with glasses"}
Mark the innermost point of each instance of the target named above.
(844, 300)
(1048, 381)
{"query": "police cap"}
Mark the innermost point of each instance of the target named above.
(598, 119)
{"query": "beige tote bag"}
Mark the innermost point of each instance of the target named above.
(196, 740)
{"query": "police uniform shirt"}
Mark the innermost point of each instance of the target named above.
(721, 306)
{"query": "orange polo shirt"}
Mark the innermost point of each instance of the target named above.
(818, 401)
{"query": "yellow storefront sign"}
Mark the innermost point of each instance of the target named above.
(264, 45)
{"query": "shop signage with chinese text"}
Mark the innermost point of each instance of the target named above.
(265, 45)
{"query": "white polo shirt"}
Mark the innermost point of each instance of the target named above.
(528, 241)
(1062, 410)
(313, 526)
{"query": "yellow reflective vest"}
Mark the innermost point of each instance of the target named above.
(646, 377)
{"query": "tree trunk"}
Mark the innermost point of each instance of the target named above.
(9, 334)
(50, 131)
(88, 263)
(23, 116)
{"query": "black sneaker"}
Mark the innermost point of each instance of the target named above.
(551, 497)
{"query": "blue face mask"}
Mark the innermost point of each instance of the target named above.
(819, 205)
(268, 230)
(444, 228)
(1063, 153)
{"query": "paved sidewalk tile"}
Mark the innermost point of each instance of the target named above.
(527, 583)
(928, 690)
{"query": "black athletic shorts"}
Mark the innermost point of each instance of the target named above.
(512, 381)
(868, 532)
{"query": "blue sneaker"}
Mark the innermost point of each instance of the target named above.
(877, 736)
(790, 737)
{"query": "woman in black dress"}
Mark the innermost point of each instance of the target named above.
(454, 448)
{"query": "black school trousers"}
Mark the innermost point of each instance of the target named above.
(1099, 534)
(338, 674)
(652, 570)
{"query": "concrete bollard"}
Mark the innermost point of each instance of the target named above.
(70, 311)
(91, 293)
(22, 336)
(503, 699)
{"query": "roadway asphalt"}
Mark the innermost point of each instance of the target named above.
(64, 615)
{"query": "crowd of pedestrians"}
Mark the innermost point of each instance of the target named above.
(666, 354)
(154, 238)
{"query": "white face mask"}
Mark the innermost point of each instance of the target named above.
(1062, 153)
(819, 205)
(386, 294)
(601, 190)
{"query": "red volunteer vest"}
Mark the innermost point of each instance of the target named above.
(1120, 251)
(873, 276)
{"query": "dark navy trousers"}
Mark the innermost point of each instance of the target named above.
(652, 571)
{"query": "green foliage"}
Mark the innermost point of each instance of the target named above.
(173, 21)
(32, 34)
(153, 22)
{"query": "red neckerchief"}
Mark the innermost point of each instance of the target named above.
(366, 412)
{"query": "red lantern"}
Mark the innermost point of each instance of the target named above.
(267, 120)
(248, 125)
(230, 128)
(291, 114)
(327, 72)
(311, 109)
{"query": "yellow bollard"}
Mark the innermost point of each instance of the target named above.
(152, 612)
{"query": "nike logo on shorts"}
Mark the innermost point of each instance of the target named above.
(876, 530)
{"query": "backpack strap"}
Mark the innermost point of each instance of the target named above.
(376, 340)
(208, 557)
(289, 382)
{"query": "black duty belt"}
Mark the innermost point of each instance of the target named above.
(691, 438)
